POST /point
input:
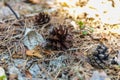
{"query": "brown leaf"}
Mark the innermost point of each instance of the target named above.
(32, 53)
(28, 74)
(37, 54)
(29, 53)
(17, 55)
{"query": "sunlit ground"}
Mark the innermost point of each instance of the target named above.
(106, 11)
(102, 13)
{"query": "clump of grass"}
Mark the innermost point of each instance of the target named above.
(85, 30)
(81, 25)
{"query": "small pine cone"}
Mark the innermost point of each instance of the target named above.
(60, 38)
(42, 18)
(98, 57)
(32, 1)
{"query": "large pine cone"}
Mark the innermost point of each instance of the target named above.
(98, 56)
(42, 18)
(60, 38)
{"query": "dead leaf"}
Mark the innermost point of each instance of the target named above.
(32, 53)
(17, 55)
(37, 54)
(28, 74)
(29, 53)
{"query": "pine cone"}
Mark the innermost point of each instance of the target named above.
(42, 18)
(98, 57)
(32, 1)
(60, 38)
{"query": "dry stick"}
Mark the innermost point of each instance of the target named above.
(6, 4)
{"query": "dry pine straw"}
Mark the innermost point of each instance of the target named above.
(11, 35)
(10, 42)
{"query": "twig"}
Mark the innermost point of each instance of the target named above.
(6, 4)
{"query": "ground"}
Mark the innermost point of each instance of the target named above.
(90, 24)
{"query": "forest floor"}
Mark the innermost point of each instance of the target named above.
(89, 26)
